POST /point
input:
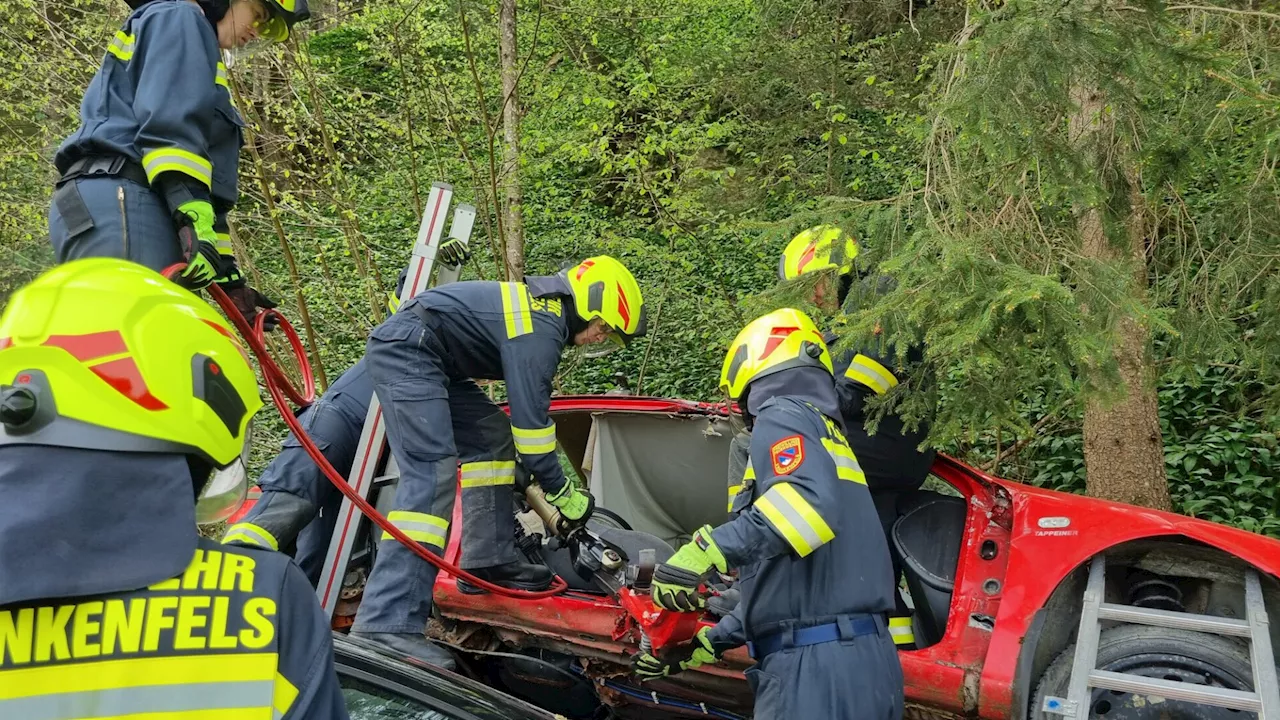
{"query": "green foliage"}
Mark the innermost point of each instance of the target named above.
(1221, 451)
(692, 139)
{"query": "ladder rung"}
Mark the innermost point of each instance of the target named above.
(1173, 690)
(1178, 620)
(384, 479)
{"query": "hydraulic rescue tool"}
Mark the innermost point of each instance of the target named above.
(607, 566)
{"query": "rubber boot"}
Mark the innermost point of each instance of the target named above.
(515, 575)
(415, 646)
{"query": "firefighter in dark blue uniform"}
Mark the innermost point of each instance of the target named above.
(299, 507)
(892, 459)
(111, 604)
(814, 571)
(423, 360)
(151, 172)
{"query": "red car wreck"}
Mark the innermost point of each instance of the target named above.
(997, 573)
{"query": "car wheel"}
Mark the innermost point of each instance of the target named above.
(609, 518)
(1179, 655)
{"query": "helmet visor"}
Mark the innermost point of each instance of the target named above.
(612, 343)
(227, 488)
(274, 28)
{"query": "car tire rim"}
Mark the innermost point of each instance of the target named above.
(1115, 705)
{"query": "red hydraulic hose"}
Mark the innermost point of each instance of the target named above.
(282, 392)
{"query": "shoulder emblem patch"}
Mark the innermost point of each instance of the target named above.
(787, 455)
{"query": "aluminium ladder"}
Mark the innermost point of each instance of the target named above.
(372, 449)
(1265, 700)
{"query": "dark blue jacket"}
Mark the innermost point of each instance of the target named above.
(513, 332)
(239, 629)
(806, 541)
(890, 458)
(161, 99)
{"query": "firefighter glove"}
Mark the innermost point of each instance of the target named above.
(199, 244)
(454, 252)
(574, 505)
(676, 581)
(693, 654)
(247, 300)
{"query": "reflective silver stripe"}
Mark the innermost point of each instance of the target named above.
(733, 494)
(797, 521)
(847, 467)
(158, 161)
(535, 441)
(221, 78)
(420, 527)
(121, 46)
(515, 306)
(157, 700)
(901, 631)
(871, 373)
(494, 472)
(252, 535)
(845, 462)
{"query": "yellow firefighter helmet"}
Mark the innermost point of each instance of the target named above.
(782, 339)
(818, 248)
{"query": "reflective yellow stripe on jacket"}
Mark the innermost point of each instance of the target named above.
(515, 309)
(748, 477)
(488, 473)
(901, 631)
(247, 533)
(847, 466)
(794, 518)
(872, 374)
(535, 441)
(221, 78)
(192, 687)
(177, 160)
(122, 46)
(420, 527)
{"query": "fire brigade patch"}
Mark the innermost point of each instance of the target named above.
(787, 455)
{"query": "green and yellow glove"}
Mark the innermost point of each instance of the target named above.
(453, 252)
(574, 505)
(199, 244)
(694, 654)
(676, 581)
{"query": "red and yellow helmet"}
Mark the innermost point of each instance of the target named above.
(109, 355)
(604, 288)
(782, 339)
(819, 248)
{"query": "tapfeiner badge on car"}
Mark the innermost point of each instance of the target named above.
(787, 454)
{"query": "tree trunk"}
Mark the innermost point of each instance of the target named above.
(514, 221)
(1123, 446)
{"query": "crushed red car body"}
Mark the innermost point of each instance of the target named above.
(995, 571)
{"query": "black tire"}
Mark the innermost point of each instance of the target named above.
(1155, 652)
(609, 518)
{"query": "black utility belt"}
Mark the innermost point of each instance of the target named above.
(105, 166)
